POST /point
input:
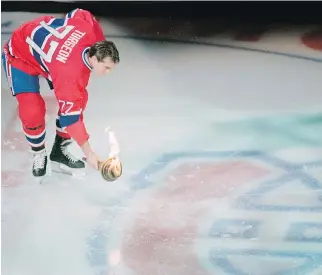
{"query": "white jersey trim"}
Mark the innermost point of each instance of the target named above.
(85, 59)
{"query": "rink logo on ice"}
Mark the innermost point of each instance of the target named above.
(293, 247)
(162, 231)
(210, 211)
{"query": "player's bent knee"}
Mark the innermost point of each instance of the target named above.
(32, 109)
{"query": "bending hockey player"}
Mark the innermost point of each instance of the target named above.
(64, 51)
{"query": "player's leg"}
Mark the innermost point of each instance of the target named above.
(31, 110)
(60, 156)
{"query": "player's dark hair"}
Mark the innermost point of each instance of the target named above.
(103, 49)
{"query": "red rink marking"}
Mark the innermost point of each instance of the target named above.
(313, 39)
(250, 34)
(11, 178)
(14, 141)
(160, 240)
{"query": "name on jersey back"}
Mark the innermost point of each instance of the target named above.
(68, 45)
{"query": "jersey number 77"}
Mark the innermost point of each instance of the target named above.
(39, 47)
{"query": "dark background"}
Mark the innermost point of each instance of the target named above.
(298, 12)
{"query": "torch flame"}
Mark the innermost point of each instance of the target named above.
(114, 146)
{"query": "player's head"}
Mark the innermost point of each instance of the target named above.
(103, 56)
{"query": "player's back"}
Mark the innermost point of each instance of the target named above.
(19, 49)
(48, 43)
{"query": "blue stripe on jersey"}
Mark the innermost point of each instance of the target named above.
(36, 141)
(41, 34)
(67, 120)
(58, 126)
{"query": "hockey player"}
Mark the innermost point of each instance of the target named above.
(64, 51)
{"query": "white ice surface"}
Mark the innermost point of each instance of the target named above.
(163, 99)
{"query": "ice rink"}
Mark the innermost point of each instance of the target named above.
(222, 156)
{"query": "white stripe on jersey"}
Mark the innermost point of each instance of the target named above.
(85, 60)
(37, 145)
(71, 113)
(10, 48)
(32, 37)
(44, 44)
(72, 13)
(35, 136)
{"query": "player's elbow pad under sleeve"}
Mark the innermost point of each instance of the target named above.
(78, 132)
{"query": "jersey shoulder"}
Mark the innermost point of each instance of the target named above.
(81, 31)
(84, 15)
(57, 44)
(87, 21)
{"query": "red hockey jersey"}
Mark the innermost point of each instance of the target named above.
(56, 49)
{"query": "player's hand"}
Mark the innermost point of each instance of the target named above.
(90, 157)
(92, 160)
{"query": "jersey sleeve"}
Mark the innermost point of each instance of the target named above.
(72, 100)
(70, 104)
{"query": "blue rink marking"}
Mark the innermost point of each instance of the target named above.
(219, 258)
(249, 201)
